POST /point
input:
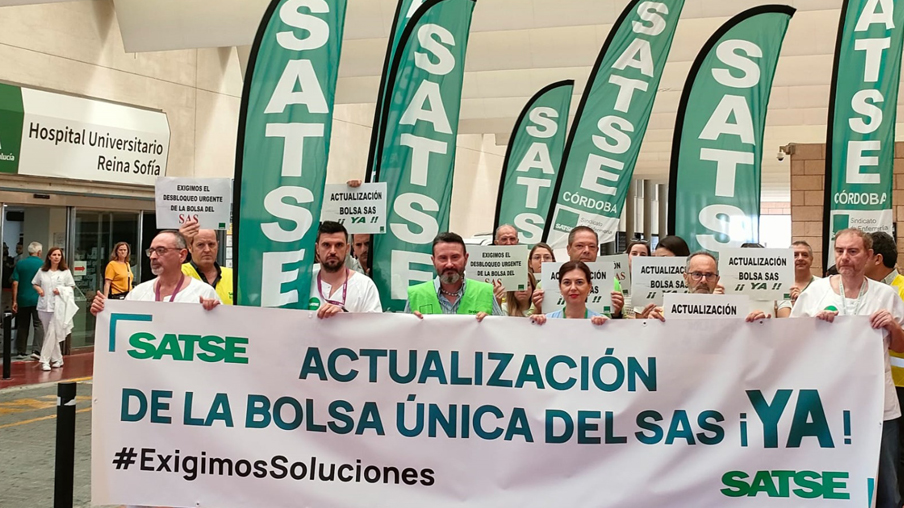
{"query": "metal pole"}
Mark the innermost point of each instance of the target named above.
(65, 446)
(7, 344)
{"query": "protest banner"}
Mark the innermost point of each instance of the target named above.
(762, 274)
(360, 209)
(600, 298)
(502, 412)
(499, 263)
(206, 200)
(652, 277)
(697, 306)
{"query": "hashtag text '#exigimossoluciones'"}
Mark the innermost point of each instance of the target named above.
(277, 467)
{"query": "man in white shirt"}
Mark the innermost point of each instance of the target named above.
(852, 293)
(168, 251)
(335, 287)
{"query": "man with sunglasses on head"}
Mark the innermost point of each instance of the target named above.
(168, 251)
(701, 275)
(336, 288)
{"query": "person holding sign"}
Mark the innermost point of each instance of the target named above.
(506, 234)
(701, 275)
(168, 251)
(583, 245)
(803, 276)
(575, 285)
(204, 248)
(337, 288)
(539, 254)
(518, 303)
(635, 248)
(118, 274)
(852, 293)
(450, 292)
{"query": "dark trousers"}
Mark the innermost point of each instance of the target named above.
(24, 320)
(887, 495)
(900, 462)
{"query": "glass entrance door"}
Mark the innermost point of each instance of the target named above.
(94, 233)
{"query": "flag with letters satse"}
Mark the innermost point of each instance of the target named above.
(284, 125)
(530, 169)
(405, 10)
(860, 139)
(717, 148)
(610, 123)
(416, 144)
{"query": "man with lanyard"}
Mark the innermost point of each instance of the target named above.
(204, 248)
(335, 287)
(168, 251)
(583, 245)
(851, 293)
(450, 292)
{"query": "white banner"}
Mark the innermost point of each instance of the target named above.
(761, 274)
(360, 209)
(195, 408)
(71, 137)
(206, 200)
(654, 276)
(686, 306)
(504, 263)
(600, 298)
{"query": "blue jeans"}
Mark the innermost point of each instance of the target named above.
(887, 495)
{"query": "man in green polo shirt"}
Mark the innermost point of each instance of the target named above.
(450, 292)
(25, 301)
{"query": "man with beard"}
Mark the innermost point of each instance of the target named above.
(450, 292)
(203, 266)
(852, 293)
(335, 287)
(168, 251)
(701, 275)
(583, 245)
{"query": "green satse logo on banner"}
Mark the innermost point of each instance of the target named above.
(862, 112)
(717, 149)
(284, 132)
(611, 121)
(532, 159)
(12, 117)
(404, 12)
(417, 146)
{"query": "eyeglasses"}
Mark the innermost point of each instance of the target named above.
(703, 275)
(160, 250)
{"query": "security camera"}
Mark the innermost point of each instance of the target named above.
(780, 155)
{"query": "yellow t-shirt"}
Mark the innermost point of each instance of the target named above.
(224, 284)
(120, 276)
(897, 359)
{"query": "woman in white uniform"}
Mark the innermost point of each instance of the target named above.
(50, 282)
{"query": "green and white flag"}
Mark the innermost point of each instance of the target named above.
(416, 149)
(281, 154)
(717, 149)
(405, 9)
(611, 121)
(531, 166)
(860, 141)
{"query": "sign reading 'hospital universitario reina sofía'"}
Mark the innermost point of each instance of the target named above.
(62, 136)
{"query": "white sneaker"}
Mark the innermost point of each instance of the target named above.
(57, 365)
(45, 366)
